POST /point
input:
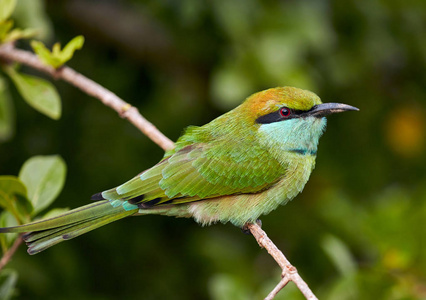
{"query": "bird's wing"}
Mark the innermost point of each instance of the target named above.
(201, 171)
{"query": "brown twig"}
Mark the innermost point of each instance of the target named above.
(289, 272)
(125, 110)
(9, 253)
(278, 288)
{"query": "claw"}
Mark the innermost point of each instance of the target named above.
(245, 229)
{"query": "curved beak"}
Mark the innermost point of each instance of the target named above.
(324, 109)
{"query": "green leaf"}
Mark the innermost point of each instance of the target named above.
(73, 45)
(44, 177)
(8, 280)
(7, 220)
(45, 55)
(38, 93)
(57, 57)
(4, 200)
(12, 185)
(6, 9)
(5, 28)
(17, 34)
(13, 197)
(24, 208)
(7, 114)
(9, 203)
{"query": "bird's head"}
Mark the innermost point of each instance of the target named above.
(284, 103)
(290, 118)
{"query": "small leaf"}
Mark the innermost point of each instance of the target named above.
(44, 54)
(57, 57)
(7, 114)
(73, 45)
(17, 34)
(7, 220)
(13, 197)
(38, 93)
(6, 9)
(5, 201)
(8, 280)
(24, 208)
(56, 49)
(9, 203)
(44, 177)
(12, 185)
(5, 28)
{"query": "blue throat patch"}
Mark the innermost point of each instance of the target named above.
(304, 151)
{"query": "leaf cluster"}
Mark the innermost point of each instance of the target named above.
(57, 57)
(37, 92)
(25, 196)
(7, 34)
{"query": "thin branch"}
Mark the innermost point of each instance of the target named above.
(10, 252)
(126, 111)
(278, 288)
(289, 271)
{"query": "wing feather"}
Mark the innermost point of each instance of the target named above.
(203, 170)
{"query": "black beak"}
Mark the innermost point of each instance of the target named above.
(324, 109)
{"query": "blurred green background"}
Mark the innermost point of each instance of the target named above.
(356, 232)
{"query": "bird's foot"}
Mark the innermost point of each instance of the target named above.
(246, 230)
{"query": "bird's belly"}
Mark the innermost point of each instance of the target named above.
(239, 209)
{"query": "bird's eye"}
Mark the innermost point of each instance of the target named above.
(285, 112)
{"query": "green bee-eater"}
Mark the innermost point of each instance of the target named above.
(239, 166)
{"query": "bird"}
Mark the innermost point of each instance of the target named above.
(241, 165)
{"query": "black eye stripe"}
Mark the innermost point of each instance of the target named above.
(277, 117)
(270, 118)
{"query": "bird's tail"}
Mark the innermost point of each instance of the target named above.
(40, 235)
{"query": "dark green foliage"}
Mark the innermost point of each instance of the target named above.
(357, 230)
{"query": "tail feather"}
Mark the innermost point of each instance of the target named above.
(89, 211)
(46, 233)
(36, 235)
(53, 236)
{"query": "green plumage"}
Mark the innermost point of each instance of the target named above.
(234, 169)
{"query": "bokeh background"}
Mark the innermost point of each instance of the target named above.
(358, 231)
